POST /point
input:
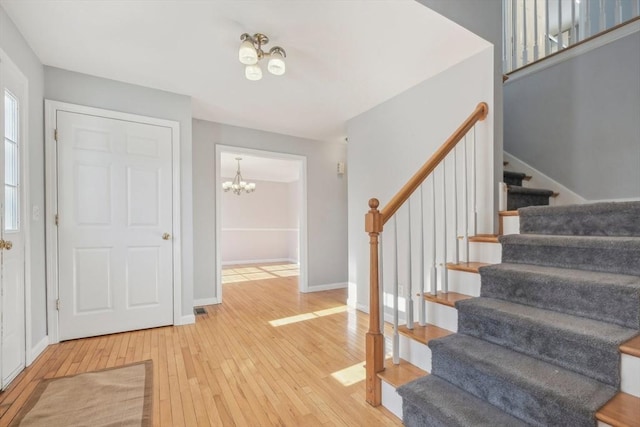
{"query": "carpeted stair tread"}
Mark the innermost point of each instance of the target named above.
(519, 197)
(517, 189)
(530, 389)
(608, 297)
(595, 253)
(587, 346)
(513, 178)
(432, 401)
(598, 219)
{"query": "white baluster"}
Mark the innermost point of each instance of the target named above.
(525, 50)
(547, 41)
(618, 13)
(636, 8)
(572, 32)
(422, 316)
(408, 290)
(559, 35)
(514, 35)
(603, 16)
(433, 271)
(536, 47)
(381, 282)
(474, 184)
(396, 336)
(455, 207)
(443, 271)
(465, 201)
(587, 21)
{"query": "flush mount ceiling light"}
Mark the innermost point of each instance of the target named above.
(250, 53)
(239, 185)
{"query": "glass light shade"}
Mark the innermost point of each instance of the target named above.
(253, 72)
(251, 186)
(226, 186)
(276, 65)
(247, 53)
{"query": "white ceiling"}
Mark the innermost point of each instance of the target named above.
(255, 168)
(343, 56)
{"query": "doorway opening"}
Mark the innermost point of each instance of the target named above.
(262, 234)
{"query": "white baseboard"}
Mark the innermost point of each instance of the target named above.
(205, 301)
(363, 308)
(186, 320)
(36, 350)
(327, 287)
(260, 261)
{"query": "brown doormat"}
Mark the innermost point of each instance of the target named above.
(120, 396)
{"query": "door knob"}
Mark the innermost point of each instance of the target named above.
(6, 244)
(166, 236)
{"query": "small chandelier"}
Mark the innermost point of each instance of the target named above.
(251, 52)
(238, 185)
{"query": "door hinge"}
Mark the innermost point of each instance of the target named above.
(55, 134)
(58, 304)
(56, 219)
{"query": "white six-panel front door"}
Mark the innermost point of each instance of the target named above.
(115, 269)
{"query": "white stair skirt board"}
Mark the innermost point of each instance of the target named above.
(490, 253)
(630, 372)
(464, 282)
(511, 225)
(391, 399)
(415, 352)
(540, 180)
(442, 316)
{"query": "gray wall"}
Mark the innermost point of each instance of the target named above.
(483, 18)
(390, 142)
(14, 45)
(326, 200)
(579, 121)
(83, 89)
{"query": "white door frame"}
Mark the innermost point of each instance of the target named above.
(25, 206)
(51, 195)
(303, 282)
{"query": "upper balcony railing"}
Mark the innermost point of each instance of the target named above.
(534, 29)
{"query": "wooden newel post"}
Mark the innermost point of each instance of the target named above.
(375, 339)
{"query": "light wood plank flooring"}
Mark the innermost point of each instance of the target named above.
(234, 367)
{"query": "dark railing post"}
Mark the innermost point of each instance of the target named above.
(375, 338)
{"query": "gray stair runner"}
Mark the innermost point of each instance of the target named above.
(541, 343)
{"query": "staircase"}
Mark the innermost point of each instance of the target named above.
(519, 196)
(548, 339)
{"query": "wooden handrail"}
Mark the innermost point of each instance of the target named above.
(374, 223)
(479, 114)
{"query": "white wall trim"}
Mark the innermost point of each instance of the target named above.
(187, 319)
(204, 301)
(36, 350)
(259, 261)
(326, 287)
(303, 281)
(363, 308)
(51, 109)
(578, 50)
(25, 208)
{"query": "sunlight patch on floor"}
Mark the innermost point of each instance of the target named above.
(351, 375)
(236, 274)
(308, 316)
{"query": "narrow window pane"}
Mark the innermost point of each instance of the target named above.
(10, 208)
(11, 162)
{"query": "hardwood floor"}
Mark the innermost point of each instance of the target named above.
(234, 367)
